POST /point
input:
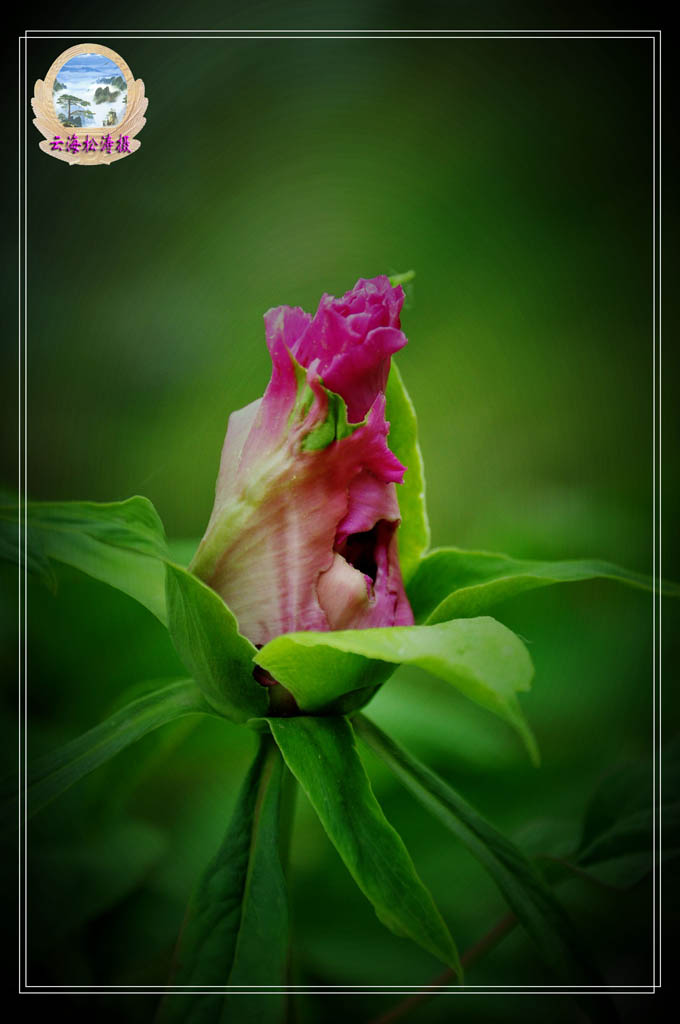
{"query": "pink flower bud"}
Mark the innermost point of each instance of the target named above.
(303, 533)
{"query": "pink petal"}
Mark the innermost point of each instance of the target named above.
(238, 429)
(344, 594)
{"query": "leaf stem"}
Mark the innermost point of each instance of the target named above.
(447, 977)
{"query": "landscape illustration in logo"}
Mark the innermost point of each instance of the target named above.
(90, 91)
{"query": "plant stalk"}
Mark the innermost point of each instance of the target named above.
(447, 977)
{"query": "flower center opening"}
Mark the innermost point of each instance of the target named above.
(359, 550)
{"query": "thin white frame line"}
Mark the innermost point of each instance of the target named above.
(657, 747)
(241, 35)
(344, 33)
(296, 989)
(510, 32)
(24, 337)
(383, 988)
(416, 986)
(657, 299)
(441, 990)
(20, 100)
(654, 478)
(654, 34)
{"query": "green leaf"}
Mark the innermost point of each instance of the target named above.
(322, 755)
(51, 775)
(626, 855)
(120, 543)
(483, 659)
(405, 278)
(414, 531)
(632, 833)
(236, 929)
(616, 848)
(515, 875)
(451, 583)
(33, 556)
(627, 791)
(617, 843)
(206, 637)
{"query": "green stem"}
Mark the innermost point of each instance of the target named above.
(474, 953)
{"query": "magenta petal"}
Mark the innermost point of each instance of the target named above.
(378, 458)
(361, 373)
(389, 586)
(352, 337)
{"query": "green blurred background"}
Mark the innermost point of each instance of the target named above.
(515, 177)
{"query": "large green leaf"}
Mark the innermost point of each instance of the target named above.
(414, 531)
(121, 543)
(236, 929)
(451, 583)
(480, 657)
(52, 774)
(322, 755)
(515, 875)
(206, 637)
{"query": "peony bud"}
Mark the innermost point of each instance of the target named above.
(303, 532)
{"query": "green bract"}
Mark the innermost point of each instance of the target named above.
(239, 905)
(480, 657)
